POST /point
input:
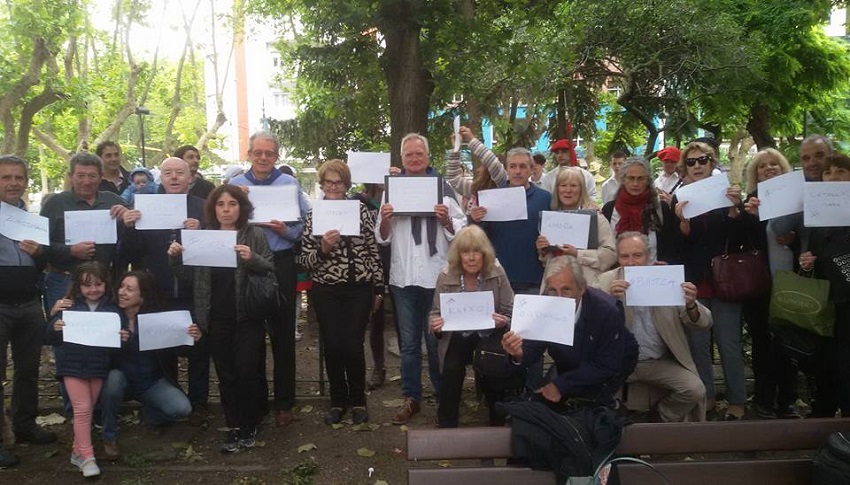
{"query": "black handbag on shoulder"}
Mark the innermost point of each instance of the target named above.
(262, 299)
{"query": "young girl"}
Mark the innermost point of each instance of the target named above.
(82, 368)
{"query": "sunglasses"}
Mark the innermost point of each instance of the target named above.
(701, 160)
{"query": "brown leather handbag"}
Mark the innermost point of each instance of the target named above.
(741, 276)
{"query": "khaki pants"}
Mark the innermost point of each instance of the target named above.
(686, 398)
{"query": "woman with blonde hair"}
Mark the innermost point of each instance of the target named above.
(571, 195)
(775, 376)
(472, 266)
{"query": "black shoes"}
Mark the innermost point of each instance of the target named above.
(247, 437)
(35, 435)
(231, 441)
(359, 415)
(334, 416)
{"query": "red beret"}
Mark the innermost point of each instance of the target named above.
(561, 144)
(669, 154)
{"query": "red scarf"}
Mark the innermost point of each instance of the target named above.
(630, 208)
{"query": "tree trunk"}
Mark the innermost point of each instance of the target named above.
(739, 145)
(759, 126)
(561, 116)
(409, 84)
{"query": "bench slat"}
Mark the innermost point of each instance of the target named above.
(719, 437)
(745, 472)
(641, 438)
(474, 475)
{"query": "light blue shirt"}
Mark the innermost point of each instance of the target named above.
(294, 230)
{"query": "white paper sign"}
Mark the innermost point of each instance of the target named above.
(467, 311)
(94, 329)
(209, 248)
(826, 204)
(704, 195)
(164, 330)
(160, 211)
(508, 204)
(278, 202)
(544, 318)
(94, 225)
(565, 228)
(19, 225)
(368, 167)
(342, 215)
(413, 195)
(781, 195)
(457, 139)
(655, 285)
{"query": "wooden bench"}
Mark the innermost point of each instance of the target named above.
(776, 452)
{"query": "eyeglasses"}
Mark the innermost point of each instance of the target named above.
(702, 160)
(266, 153)
(334, 183)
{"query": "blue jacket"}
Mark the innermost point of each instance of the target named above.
(603, 349)
(147, 250)
(75, 360)
(514, 241)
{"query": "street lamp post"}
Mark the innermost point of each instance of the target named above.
(142, 111)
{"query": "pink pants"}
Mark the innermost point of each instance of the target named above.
(83, 394)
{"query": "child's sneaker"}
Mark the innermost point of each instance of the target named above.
(86, 465)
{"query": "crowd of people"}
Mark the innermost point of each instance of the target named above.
(410, 260)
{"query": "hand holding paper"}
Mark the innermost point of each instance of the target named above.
(467, 311)
(545, 318)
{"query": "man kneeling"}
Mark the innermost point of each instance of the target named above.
(664, 359)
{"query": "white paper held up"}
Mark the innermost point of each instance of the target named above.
(368, 167)
(704, 195)
(507, 204)
(467, 311)
(160, 211)
(781, 195)
(826, 204)
(655, 285)
(209, 248)
(565, 228)
(19, 225)
(342, 215)
(164, 330)
(90, 225)
(544, 318)
(92, 329)
(275, 202)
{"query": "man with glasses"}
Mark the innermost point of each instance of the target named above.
(284, 240)
(562, 152)
(664, 358)
(604, 352)
(419, 249)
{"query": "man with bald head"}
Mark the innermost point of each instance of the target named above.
(147, 250)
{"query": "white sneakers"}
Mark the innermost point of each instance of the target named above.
(88, 465)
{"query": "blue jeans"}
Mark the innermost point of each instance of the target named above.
(162, 403)
(413, 304)
(726, 318)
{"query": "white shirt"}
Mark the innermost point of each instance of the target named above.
(412, 264)
(650, 344)
(609, 189)
(548, 182)
(666, 182)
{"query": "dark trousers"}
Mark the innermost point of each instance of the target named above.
(343, 312)
(458, 356)
(22, 325)
(282, 333)
(831, 376)
(775, 375)
(198, 357)
(237, 351)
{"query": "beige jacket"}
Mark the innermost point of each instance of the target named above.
(449, 282)
(669, 321)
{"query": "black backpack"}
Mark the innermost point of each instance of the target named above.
(832, 462)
